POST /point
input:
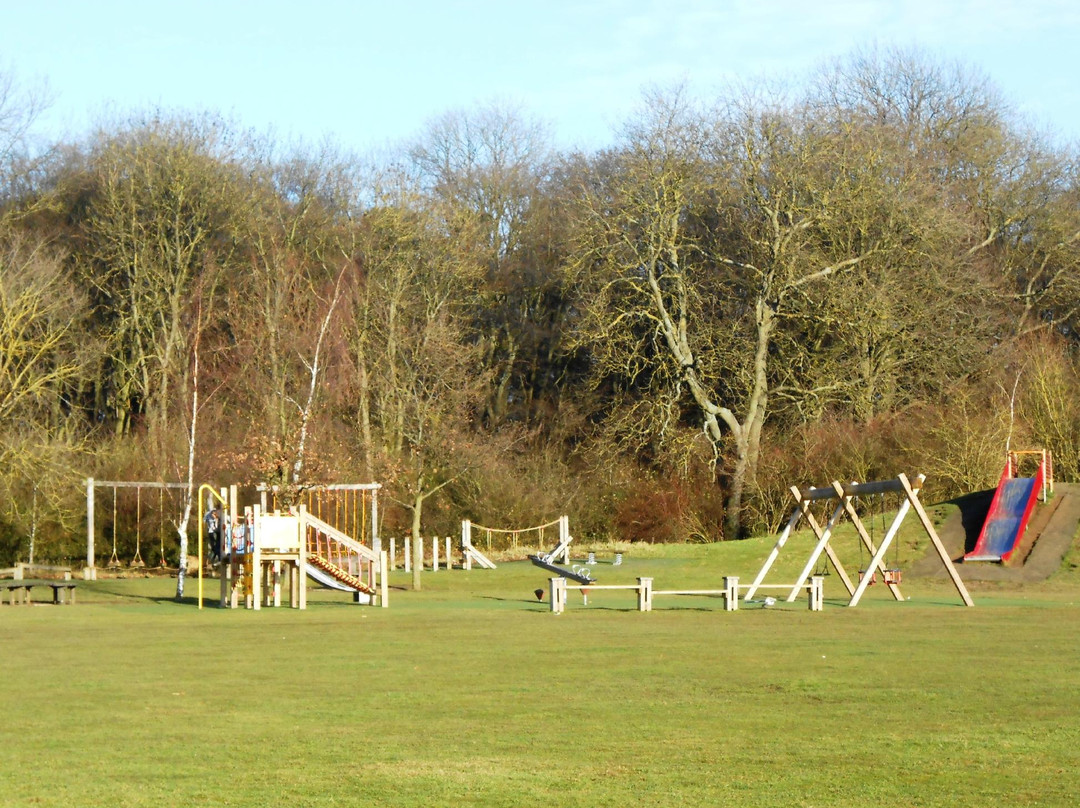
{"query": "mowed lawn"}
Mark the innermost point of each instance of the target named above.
(472, 693)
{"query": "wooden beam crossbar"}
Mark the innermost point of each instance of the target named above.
(858, 489)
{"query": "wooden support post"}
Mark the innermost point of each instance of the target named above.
(90, 571)
(376, 539)
(225, 577)
(644, 594)
(731, 593)
(817, 593)
(876, 561)
(558, 595)
(434, 553)
(446, 556)
(294, 585)
(393, 553)
(819, 548)
(384, 580)
(255, 598)
(928, 526)
(792, 522)
(408, 554)
(234, 591)
(301, 563)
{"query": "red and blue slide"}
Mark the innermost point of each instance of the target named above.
(1008, 516)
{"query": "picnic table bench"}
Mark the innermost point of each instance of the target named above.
(19, 589)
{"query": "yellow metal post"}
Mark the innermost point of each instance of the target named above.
(184, 560)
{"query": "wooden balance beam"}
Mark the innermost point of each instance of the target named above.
(814, 587)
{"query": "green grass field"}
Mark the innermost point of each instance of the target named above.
(472, 693)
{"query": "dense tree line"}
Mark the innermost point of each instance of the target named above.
(877, 272)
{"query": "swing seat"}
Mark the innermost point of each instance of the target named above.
(893, 576)
(873, 576)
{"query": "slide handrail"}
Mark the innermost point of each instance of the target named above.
(339, 555)
(332, 532)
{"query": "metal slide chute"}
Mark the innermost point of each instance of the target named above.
(1009, 513)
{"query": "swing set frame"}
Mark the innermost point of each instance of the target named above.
(90, 571)
(844, 494)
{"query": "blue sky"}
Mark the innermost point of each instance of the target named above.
(370, 74)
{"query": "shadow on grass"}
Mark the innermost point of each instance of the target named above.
(123, 595)
(530, 601)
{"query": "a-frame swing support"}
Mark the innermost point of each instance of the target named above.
(804, 498)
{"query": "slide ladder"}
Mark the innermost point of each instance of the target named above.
(1009, 513)
(337, 560)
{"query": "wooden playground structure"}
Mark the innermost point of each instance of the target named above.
(143, 505)
(809, 581)
(646, 592)
(260, 550)
(352, 508)
(329, 533)
(844, 496)
(516, 536)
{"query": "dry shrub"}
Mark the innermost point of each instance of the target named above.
(657, 511)
(815, 455)
(514, 481)
(961, 445)
(651, 514)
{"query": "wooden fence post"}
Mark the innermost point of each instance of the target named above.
(558, 595)
(817, 593)
(731, 593)
(644, 594)
(384, 583)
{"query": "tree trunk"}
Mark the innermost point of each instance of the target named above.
(417, 541)
(364, 415)
(733, 507)
(190, 494)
